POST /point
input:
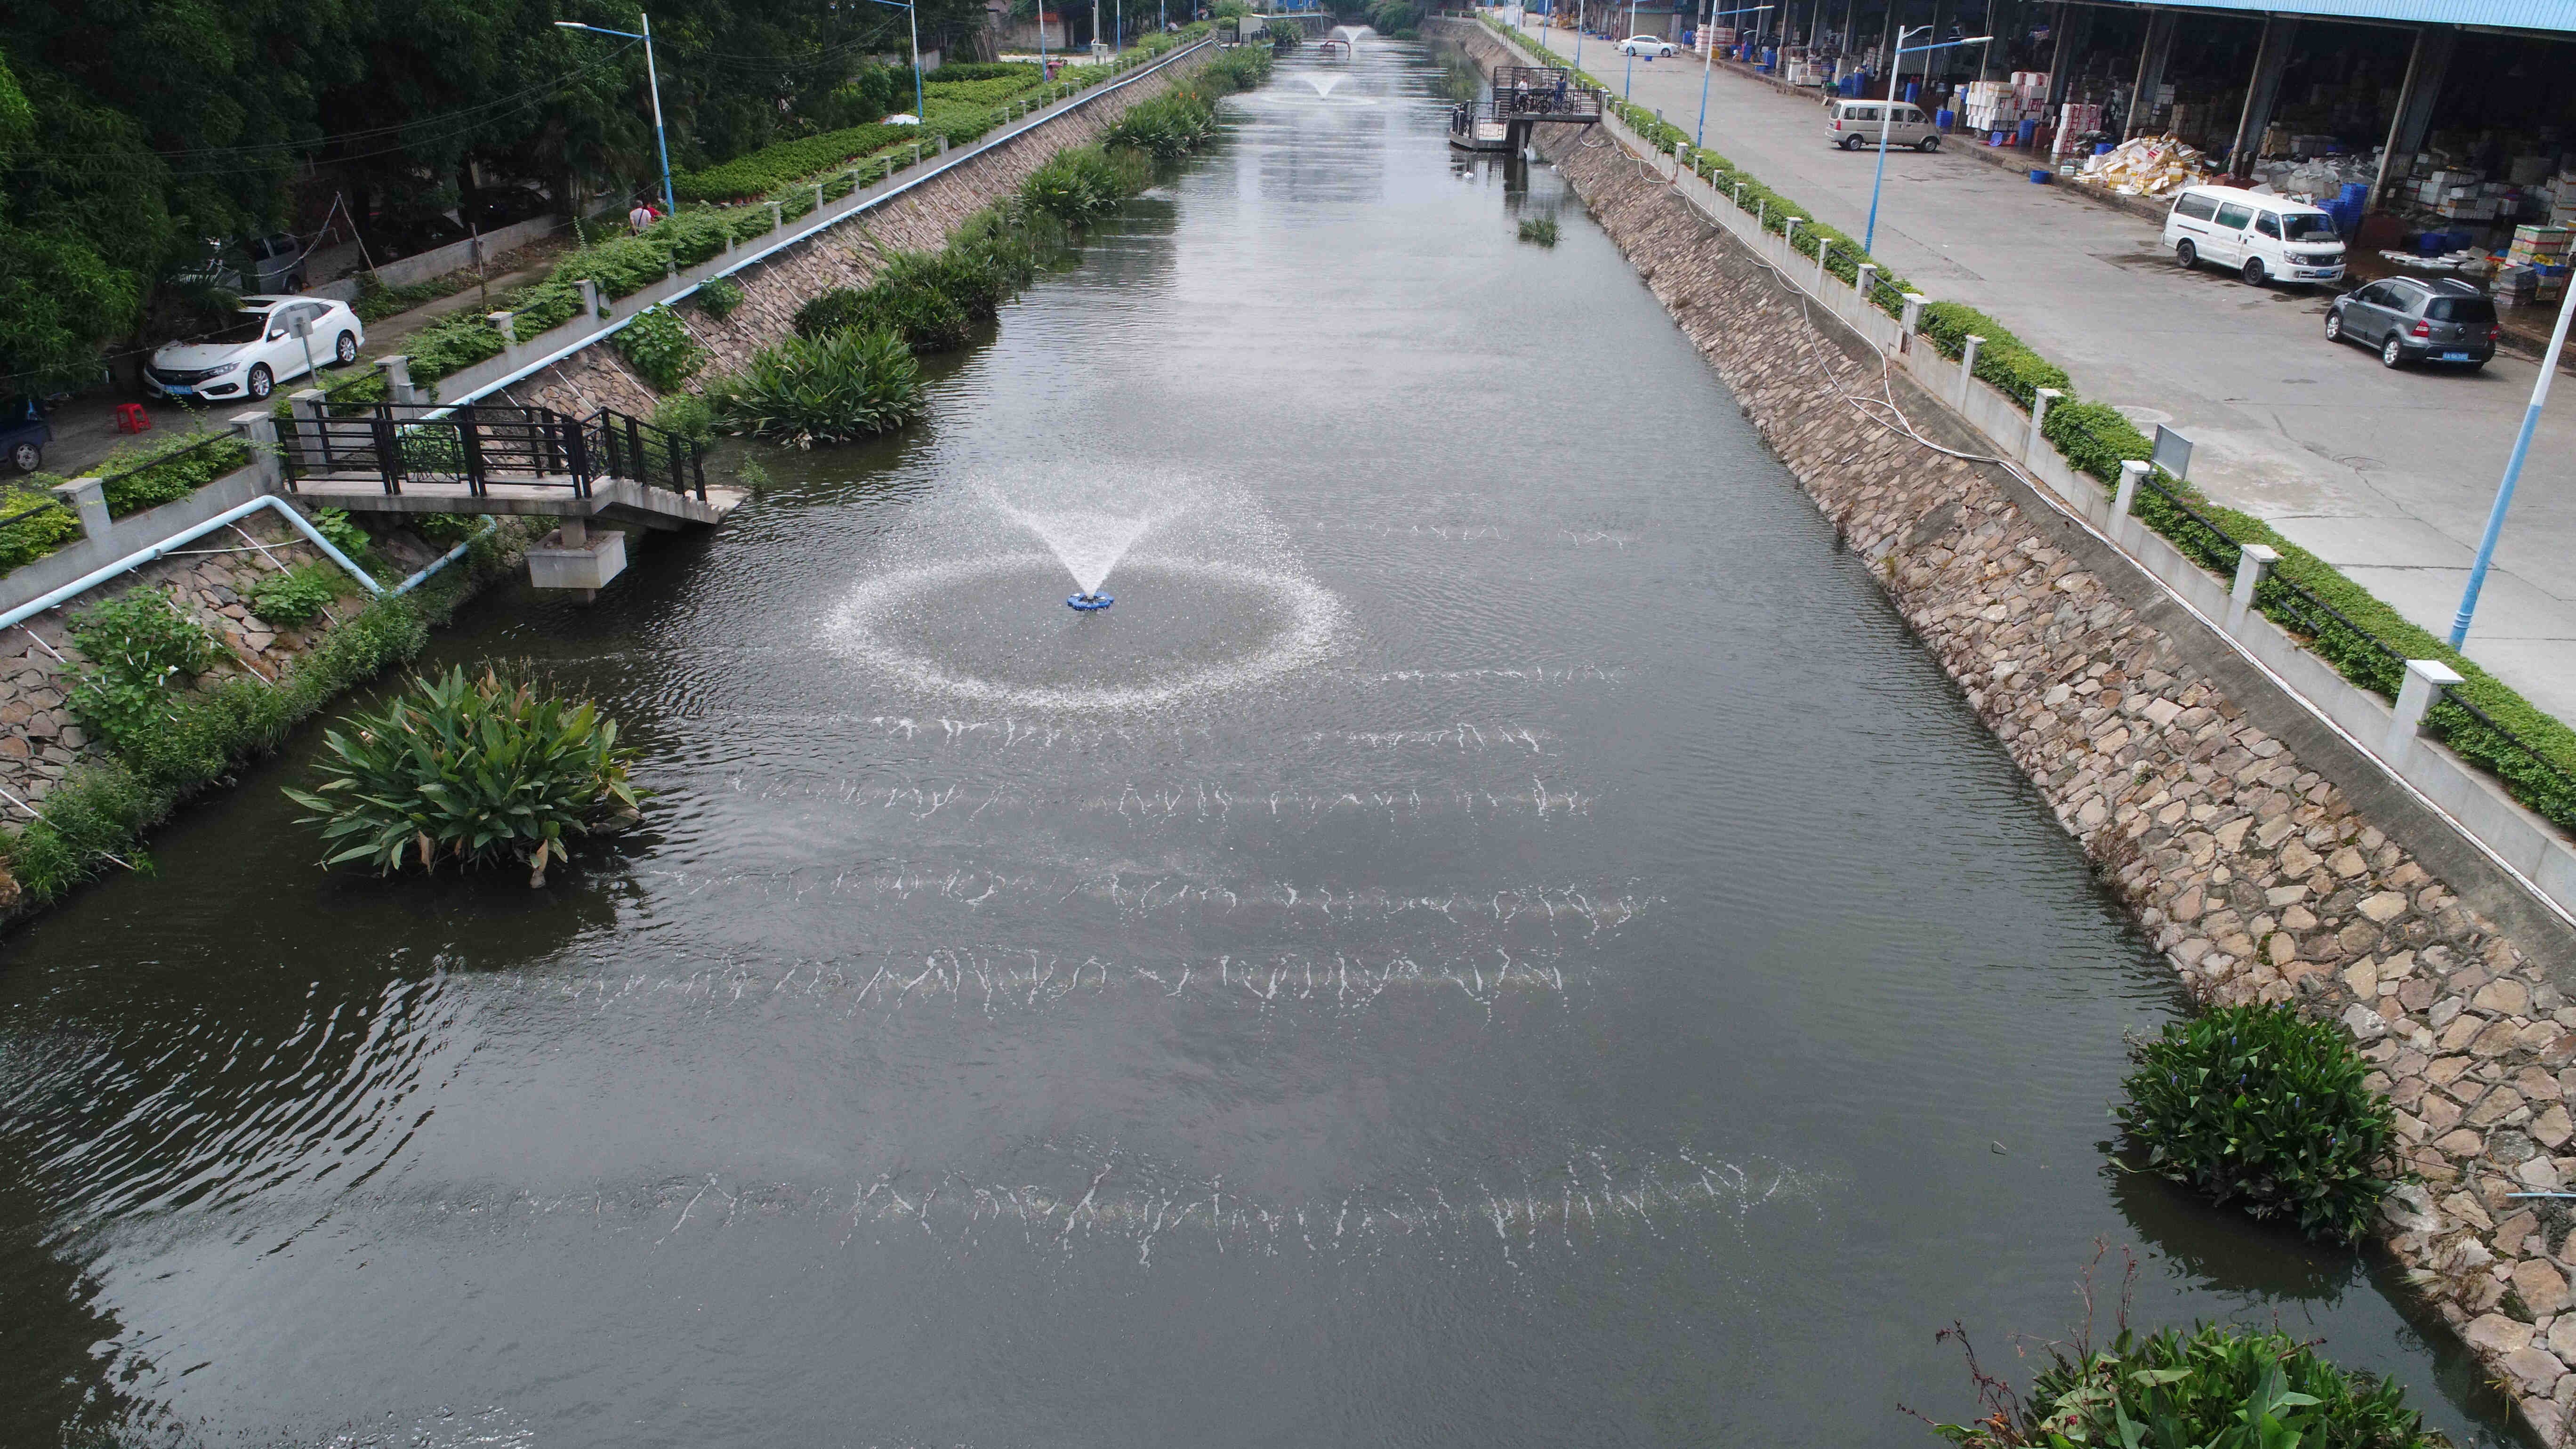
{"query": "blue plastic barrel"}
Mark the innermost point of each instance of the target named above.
(2040, 178)
(1914, 90)
(2028, 129)
(2101, 148)
(1945, 119)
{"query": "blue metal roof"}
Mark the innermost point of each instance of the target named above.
(2553, 15)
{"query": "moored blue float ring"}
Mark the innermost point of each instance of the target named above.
(1088, 603)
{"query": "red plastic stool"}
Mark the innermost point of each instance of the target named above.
(131, 418)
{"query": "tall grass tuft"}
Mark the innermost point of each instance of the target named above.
(835, 388)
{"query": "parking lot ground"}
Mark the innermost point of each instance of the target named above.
(2386, 474)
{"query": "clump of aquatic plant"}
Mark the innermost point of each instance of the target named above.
(2257, 1105)
(1539, 229)
(469, 770)
(1083, 182)
(1170, 125)
(2213, 1386)
(836, 388)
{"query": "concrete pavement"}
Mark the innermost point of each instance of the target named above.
(2387, 475)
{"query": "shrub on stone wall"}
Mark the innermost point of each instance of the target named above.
(144, 475)
(657, 344)
(468, 770)
(296, 596)
(140, 648)
(2217, 1385)
(718, 296)
(836, 388)
(2260, 1106)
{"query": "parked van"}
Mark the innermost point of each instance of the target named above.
(1854, 124)
(2259, 237)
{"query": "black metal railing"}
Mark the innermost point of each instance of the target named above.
(1543, 93)
(480, 444)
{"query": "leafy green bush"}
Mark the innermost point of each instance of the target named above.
(718, 296)
(620, 265)
(976, 70)
(450, 345)
(297, 596)
(685, 414)
(2002, 359)
(2218, 1386)
(468, 770)
(917, 310)
(1239, 69)
(136, 476)
(2261, 1105)
(376, 301)
(837, 310)
(834, 388)
(542, 307)
(38, 523)
(447, 530)
(139, 648)
(1539, 229)
(93, 815)
(657, 344)
(345, 535)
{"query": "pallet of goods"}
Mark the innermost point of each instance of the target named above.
(2146, 166)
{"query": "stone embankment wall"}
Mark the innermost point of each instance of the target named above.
(847, 255)
(211, 579)
(2249, 866)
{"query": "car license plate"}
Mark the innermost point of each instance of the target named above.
(177, 390)
(2455, 357)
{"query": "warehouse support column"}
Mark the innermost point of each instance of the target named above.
(1887, 47)
(2003, 21)
(2066, 35)
(2271, 59)
(1935, 65)
(2426, 68)
(2151, 74)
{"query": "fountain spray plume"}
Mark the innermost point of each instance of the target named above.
(1323, 84)
(1089, 544)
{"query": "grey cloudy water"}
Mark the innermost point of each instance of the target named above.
(1497, 937)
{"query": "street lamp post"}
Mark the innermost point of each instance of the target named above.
(2512, 473)
(1699, 140)
(1887, 113)
(653, 81)
(1628, 84)
(913, 18)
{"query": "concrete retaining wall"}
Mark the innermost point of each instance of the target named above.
(2262, 848)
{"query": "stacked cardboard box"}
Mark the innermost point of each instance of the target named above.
(2539, 246)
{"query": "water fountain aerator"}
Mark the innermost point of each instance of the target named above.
(1089, 603)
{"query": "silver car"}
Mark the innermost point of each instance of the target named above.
(1854, 124)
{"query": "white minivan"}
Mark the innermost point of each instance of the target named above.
(2260, 237)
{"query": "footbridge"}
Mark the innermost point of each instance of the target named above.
(1525, 97)
(488, 459)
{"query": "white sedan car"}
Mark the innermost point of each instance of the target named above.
(257, 349)
(1649, 46)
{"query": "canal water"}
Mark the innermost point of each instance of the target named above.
(1498, 937)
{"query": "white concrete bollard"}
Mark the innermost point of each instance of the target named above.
(1912, 321)
(1824, 250)
(590, 298)
(2132, 473)
(87, 497)
(777, 216)
(2040, 403)
(1968, 367)
(2425, 679)
(2253, 561)
(398, 385)
(259, 426)
(501, 323)
(1865, 282)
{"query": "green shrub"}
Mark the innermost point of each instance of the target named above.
(620, 265)
(542, 307)
(2002, 359)
(685, 414)
(976, 70)
(1170, 125)
(139, 648)
(657, 344)
(830, 389)
(467, 770)
(450, 345)
(444, 531)
(38, 523)
(297, 596)
(91, 817)
(143, 475)
(2258, 1104)
(1239, 69)
(1083, 182)
(1539, 229)
(376, 301)
(2218, 1385)
(718, 296)
(745, 178)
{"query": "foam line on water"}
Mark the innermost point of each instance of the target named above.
(1012, 733)
(1198, 800)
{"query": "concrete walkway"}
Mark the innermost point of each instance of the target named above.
(2388, 475)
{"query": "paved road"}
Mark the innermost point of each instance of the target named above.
(2386, 474)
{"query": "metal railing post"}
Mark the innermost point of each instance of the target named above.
(698, 467)
(2425, 680)
(577, 457)
(2132, 473)
(310, 408)
(679, 475)
(635, 463)
(2040, 402)
(388, 449)
(469, 441)
(2253, 561)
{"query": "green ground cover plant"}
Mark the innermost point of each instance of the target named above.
(376, 301)
(2531, 752)
(140, 650)
(1539, 229)
(719, 296)
(2212, 1386)
(470, 771)
(35, 525)
(836, 388)
(2259, 1106)
(1083, 182)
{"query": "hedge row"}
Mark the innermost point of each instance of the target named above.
(771, 167)
(2095, 438)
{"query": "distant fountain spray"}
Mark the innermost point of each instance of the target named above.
(1324, 84)
(1089, 545)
